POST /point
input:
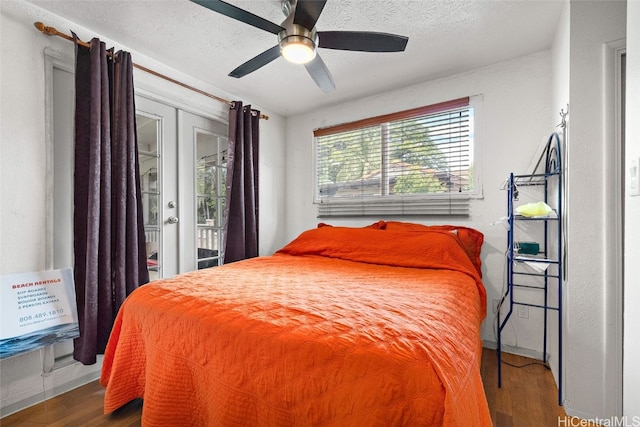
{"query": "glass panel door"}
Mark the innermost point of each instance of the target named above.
(204, 148)
(211, 172)
(157, 125)
(148, 129)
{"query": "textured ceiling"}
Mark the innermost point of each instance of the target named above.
(445, 37)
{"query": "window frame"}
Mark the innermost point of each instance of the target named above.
(442, 204)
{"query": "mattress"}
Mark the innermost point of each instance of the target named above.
(341, 327)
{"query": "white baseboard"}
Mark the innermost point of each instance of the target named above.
(59, 381)
(525, 352)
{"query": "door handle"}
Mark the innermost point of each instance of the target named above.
(172, 220)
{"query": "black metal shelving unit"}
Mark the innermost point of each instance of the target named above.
(549, 277)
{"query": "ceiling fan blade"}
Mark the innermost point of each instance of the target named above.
(257, 62)
(308, 12)
(362, 41)
(240, 14)
(320, 74)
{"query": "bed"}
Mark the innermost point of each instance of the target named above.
(372, 326)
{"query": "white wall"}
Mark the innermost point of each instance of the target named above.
(24, 179)
(515, 120)
(560, 64)
(632, 214)
(590, 348)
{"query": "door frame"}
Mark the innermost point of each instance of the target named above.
(613, 293)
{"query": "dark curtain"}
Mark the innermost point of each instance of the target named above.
(241, 209)
(109, 240)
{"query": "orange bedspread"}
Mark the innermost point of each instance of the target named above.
(347, 327)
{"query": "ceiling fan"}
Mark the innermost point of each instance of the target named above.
(298, 39)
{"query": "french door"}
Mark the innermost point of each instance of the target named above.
(182, 169)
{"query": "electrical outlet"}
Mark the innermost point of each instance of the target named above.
(522, 312)
(496, 303)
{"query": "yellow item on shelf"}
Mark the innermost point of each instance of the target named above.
(534, 209)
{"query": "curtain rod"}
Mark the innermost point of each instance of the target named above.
(51, 31)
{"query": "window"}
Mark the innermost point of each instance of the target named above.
(415, 162)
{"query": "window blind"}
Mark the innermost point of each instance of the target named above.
(416, 162)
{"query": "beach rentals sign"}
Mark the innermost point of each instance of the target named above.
(38, 309)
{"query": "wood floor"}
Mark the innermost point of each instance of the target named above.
(528, 397)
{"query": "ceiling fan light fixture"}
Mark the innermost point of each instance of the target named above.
(298, 49)
(298, 38)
